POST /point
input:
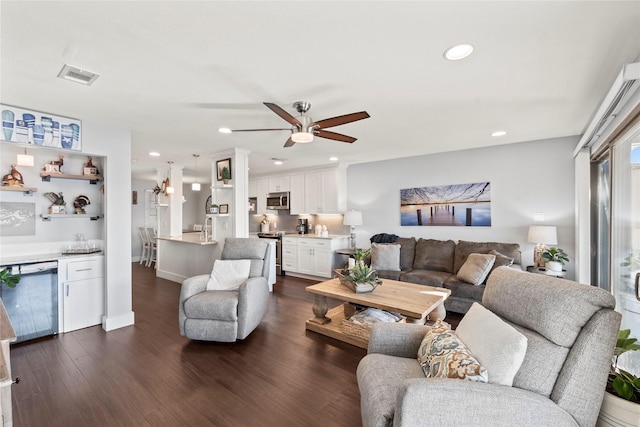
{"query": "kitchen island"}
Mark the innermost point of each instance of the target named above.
(180, 257)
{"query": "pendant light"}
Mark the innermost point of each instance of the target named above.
(196, 185)
(24, 159)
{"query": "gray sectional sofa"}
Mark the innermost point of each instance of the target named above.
(437, 262)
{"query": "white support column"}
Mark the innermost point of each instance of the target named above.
(170, 211)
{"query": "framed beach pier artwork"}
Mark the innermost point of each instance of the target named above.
(35, 127)
(460, 205)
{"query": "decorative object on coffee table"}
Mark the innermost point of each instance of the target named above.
(360, 278)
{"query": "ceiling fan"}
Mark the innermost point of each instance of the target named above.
(303, 128)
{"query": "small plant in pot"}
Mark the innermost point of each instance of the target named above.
(555, 258)
(225, 174)
(622, 383)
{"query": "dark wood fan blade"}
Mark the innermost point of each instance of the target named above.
(340, 120)
(289, 143)
(333, 135)
(279, 111)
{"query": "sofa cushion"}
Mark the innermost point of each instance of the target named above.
(385, 256)
(425, 277)
(462, 289)
(443, 355)
(379, 379)
(464, 248)
(496, 344)
(435, 255)
(391, 275)
(501, 260)
(407, 252)
(476, 268)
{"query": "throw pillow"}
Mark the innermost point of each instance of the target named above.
(228, 275)
(443, 355)
(385, 256)
(476, 268)
(501, 260)
(497, 345)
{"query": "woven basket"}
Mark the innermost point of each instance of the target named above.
(359, 331)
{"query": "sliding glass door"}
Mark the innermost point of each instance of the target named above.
(624, 246)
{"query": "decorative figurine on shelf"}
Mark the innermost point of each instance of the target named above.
(80, 202)
(58, 204)
(54, 166)
(89, 168)
(13, 178)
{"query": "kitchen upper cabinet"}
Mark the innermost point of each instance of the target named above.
(296, 195)
(279, 184)
(325, 192)
(259, 188)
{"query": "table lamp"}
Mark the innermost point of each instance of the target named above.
(541, 234)
(352, 218)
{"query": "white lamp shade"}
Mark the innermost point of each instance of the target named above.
(195, 186)
(170, 190)
(352, 218)
(543, 234)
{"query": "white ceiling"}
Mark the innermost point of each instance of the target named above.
(173, 72)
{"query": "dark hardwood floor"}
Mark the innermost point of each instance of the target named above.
(149, 375)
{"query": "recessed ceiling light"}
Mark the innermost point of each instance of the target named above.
(499, 133)
(154, 153)
(224, 130)
(277, 161)
(333, 159)
(458, 52)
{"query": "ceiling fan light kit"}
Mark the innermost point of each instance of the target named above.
(303, 128)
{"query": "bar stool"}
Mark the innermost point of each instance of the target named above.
(146, 247)
(153, 247)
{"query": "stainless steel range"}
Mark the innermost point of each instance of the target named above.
(277, 236)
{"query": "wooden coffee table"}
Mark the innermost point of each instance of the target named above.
(416, 302)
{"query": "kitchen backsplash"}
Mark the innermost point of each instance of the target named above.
(288, 223)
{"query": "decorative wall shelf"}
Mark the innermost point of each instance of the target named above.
(47, 217)
(93, 179)
(26, 190)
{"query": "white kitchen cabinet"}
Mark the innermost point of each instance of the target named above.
(312, 256)
(289, 254)
(82, 286)
(296, 194)
(259, 188)
(325, 191)
(278, 184)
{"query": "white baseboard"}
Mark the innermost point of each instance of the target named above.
(170, 276)
(111, 323)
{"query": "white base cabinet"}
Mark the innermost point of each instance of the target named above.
(312, 256)
(81, 283)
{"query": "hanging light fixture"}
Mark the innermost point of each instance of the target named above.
(196, 185)
(24, 159)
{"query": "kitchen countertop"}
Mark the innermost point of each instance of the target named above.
(191, 238)
(23, 259)
(313, 236)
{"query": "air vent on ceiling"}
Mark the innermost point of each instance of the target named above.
(77, 75)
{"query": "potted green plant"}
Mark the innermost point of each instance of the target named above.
(555, 258)
(360, 278)
(214, 209)
(621, 403)
(361, 254)
(225, 173)
(8, 279)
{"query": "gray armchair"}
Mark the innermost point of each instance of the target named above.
(227, 316)
(571, 331)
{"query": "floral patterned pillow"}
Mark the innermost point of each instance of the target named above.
(443, 355)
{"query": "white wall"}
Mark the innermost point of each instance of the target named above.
(527, 177)
(115, 145)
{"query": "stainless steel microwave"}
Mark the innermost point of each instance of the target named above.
(278, 201)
